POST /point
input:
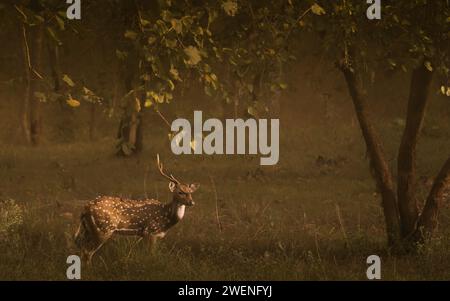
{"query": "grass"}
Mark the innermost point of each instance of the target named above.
(298, 220)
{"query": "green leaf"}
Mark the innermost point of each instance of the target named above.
(151, 40)
(60, 22)
(230, 7)
(168, 96)
(427, 65)
(90, 96)
(317, 9)
(193, 54)
(175, 74)
(68, 80)
(445, 91)
(129, 34)
(121, 55)
(148, 103)
(144, 22)
(171, 85)
(72, 102)
(41, 97)
(283, 86)
(177, 25)
(252, 111)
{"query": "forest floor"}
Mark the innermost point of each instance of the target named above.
(314, 216)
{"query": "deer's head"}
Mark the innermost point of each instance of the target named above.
(182, 193)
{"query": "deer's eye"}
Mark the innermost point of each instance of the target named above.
(181, 193)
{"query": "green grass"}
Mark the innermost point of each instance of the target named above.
(293, 221)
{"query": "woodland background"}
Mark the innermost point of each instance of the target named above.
(364, 113)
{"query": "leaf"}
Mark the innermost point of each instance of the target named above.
(148, 103)
(144, 22)
(171, 85)
(151, 40)
(72, 102)
(168, 96)
(317, 9)
(129, 34)
(230, 7)
(60, 22)
(445, 91)
(90, 96)
(175, 74)
(392, 63)
(252, 111)
(187, 21)
(427, 65)
(194, 55)
(283, 86)
(159, 98)
(127, 148)
(41, 97)
(146, 77)
(171, 43)
(121, 55)
(68, 80)
(177, 25)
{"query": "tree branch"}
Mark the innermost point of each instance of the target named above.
(440, 192)
(406, 193)
(382, 174)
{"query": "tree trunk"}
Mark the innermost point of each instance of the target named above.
(130, 131)
(440, 191)
(130, 126)
(406, 192)
(34, 66)
(27, 76)
(378, 161)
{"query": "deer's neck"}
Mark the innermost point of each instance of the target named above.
(176, 211)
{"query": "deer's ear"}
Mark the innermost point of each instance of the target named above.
(194, 186)
(172, 186)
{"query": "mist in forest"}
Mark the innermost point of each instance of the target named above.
(87, 106)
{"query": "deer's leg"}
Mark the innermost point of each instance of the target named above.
(96, 244)
(151, 241)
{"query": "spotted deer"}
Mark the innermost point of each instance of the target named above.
(149, 219)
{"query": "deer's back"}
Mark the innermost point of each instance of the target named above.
(125, 216)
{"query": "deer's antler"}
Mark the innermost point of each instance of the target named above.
(160, 168)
